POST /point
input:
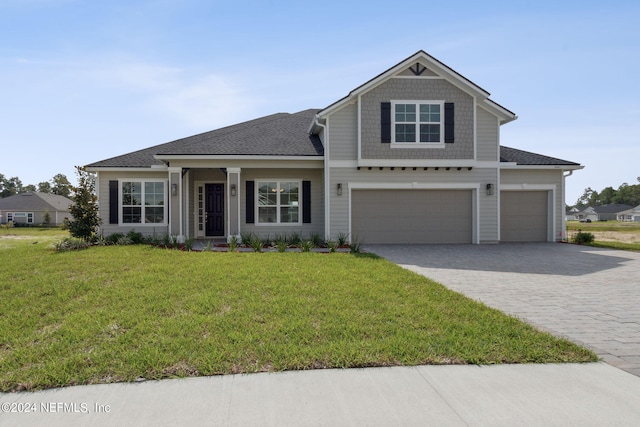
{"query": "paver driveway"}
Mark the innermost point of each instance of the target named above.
(588, 295)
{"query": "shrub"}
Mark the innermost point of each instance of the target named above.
(70, 244)
(136, 238)
(342, 239)
(315, 239)
(256, 243)
(294, 239)
(233, 244)
(245, 238)
(113, 239)
(332, 245)
(583, 238)
(307, 245)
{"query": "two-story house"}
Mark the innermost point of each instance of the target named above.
(411, 156)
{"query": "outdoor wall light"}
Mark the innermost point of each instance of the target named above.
(489, 189)
(174, 189)
(339, 189)
(233, 190)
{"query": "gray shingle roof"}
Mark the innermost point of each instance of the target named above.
(520, 157)
(33, 201)
(280, 134)
(612, 208)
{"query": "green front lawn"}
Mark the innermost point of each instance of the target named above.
(119, 313)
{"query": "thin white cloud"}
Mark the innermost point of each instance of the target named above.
(196, 99)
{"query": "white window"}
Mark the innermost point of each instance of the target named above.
(278, 202)
(143, 202)
(418, 122)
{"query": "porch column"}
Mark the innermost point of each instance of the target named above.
(233, 202)
(175, 203)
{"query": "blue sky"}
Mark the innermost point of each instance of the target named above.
(83, 80)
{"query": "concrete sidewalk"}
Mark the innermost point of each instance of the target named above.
(505, 395)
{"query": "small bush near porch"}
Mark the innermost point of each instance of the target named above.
(120, 313)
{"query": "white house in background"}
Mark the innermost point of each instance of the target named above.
(30, 208)
(630, 215)
(411, 156)
(602, 213)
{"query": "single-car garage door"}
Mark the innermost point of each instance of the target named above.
(523, 216)
(411, 216)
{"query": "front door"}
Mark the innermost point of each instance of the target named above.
(214, 209)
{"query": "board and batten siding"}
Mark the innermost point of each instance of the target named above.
(487, 208)
(523, 180)
(486, 135)
(343, 133)
(103, 203)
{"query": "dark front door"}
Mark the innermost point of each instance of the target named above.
(214, 209)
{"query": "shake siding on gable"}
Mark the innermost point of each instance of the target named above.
(417, 89)
(486, 136)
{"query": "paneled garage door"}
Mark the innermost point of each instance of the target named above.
(523, 216)
(411, 216)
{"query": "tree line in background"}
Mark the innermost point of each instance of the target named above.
(59, 185)
(625, 194)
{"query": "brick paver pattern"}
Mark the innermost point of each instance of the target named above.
(588, 295)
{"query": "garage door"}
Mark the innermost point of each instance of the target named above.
(523, 216)
(411, 216)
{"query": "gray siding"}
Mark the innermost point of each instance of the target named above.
(317, 201)
(487, 135)
(343, 133)
(487, 208)
(416, 89)
(103, 200)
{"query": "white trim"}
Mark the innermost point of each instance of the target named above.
(417, 123)
(419, 77)
(473, 186)
(232, 157)
(196, 223)
(553, 167)
(167, 195)
(418, 145)
(154, 168)
(359, 129)
(424, 163)
(257, 222)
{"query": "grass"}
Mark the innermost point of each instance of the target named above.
(119, 313)
(610, 234)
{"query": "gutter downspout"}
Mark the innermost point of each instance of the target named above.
(327, 180)
(563, 233)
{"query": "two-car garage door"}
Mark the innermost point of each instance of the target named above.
(412, 216)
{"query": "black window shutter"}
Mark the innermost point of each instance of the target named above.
(250, 199)
(448, 122)
(306, 202)
(113, 202)
(385, 122)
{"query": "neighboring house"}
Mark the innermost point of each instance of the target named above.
(411, 156)
(30, 208)
(602, 213)
(632, 214)
(572, 214)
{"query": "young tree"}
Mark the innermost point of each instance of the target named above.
(84, 209)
